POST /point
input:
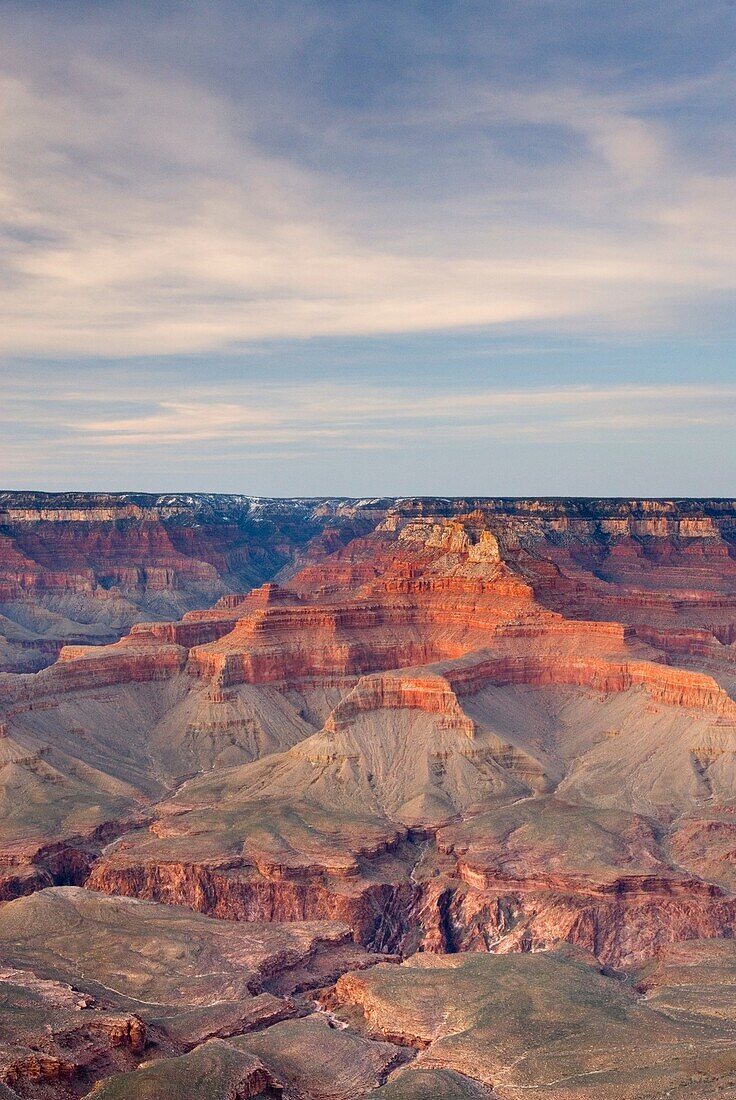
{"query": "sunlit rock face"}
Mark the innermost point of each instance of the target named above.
(489, 745)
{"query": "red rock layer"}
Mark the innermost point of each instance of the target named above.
(670, 686)
(432, 694)
(482, 598)
(621, 923)
(621, 928)
(94, 556)
(378, 913)
(84, 668)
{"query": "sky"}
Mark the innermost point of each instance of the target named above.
(368, 247)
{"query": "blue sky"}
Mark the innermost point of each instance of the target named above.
(368, 248)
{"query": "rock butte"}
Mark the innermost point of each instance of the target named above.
(339, 798)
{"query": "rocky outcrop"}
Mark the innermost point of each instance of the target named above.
(715, 646)
(551, 1023)
(87, 566)
(54, 1039)
(430, 694)
(620, 924)
(378, 914)
(216, 1065)
(109, 558)
(87, 668)
(477, 729)
(669, 686)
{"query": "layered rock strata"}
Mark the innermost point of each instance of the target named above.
(444, 730)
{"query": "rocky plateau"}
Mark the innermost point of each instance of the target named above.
(398, 798)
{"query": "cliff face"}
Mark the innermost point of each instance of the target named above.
(85, 567)
(450, 728)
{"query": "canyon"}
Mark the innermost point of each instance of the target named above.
(394, 798)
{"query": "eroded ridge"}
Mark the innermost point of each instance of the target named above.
(489, 746)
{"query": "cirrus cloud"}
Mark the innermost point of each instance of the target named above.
(145, 212)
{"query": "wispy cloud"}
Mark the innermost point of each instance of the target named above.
(359, 438)
(322, 246)
(145, 212)
(348, 416)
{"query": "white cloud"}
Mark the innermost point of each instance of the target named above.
(347, 415)
(140, 218)
(359, 438)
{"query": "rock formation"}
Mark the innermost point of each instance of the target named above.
(551, 1023)
(279, 742)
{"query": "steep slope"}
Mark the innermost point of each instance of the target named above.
(467, 732)
(368, 757)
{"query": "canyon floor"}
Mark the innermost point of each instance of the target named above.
(328, 799)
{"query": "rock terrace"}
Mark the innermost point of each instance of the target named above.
(331, 799)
